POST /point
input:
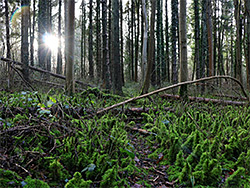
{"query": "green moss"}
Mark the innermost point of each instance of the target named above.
(35, 183)
(236, 179)
(180, 161)
(185, 175)
(9, 178)
(78, 182)
(109, 177)
(57, 172)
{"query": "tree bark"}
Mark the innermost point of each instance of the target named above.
(151, 49)
(174, 5)
(210, 38)
(59, 50)
(8, 54)
(24, 38)
(117, 79)
(145, 40)
(183, 47)
(105, 58)
(91, 63)
(238, 62)
(70, 82)
(247, 5)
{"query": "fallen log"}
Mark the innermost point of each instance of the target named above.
(205, 100)
(174, 86)
(42, 71)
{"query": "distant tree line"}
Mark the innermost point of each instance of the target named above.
(155, 42)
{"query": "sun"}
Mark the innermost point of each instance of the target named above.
(51, 41)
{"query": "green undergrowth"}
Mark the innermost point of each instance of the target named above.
(203, 145)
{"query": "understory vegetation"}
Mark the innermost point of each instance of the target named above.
(61, 142)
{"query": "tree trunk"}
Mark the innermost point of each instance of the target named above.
(197, 39)
(70, 83)
(137, 40)
(132, 39)
(174, 5)
(183, 47)
(42, 26)
(210, 39)
(65, 32)
(247, 5)
(238, 62)
(151, 49)
(117, 78)
(167, 43)
(105, 58)
(32, 34)
(24, 39)
(49, 27)
(59, 49)
(7, 26)
(159, 47)
(215, 22)
(121, 37)
(91, 63)
(98, 42)
(163, 61)
(145, 40)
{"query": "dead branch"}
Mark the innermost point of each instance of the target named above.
(41, 70)
(26, 82)
(205, 100)
(174, 86)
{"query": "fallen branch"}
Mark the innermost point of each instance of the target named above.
(174, 86)
(41, 70)
(205, 100)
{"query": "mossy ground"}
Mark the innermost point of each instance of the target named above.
(62, 143)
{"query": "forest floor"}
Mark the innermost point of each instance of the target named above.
(61, 142)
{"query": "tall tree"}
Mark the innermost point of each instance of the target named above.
(204, 45)
(83, 40)
(247, 5)
(42, 29)
(32, 34)
(145, 40)
(183, 47)
(215, 23)
(159, 47)
(59, 50)
(210, 38)
(197, 38)
(167, 42)
(91, 63)
(132, 39)
(25, 39)
(163, 59)
(49, 27)
(121, 38)
(174, 6)
(137, 34)
(151, 49)
(238, 61)
(105, 56)
(8, 55)
(65, 32)
(117, 79)
(70, 83)
(98, 41)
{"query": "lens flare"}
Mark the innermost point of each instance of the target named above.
(51, 41)
(17, 15)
